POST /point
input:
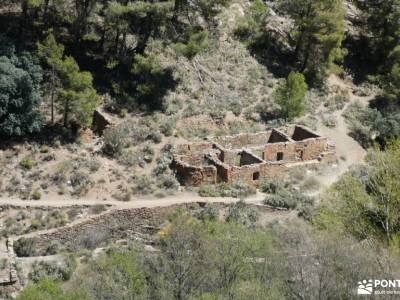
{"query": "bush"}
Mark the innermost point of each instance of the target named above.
(143, 185)
(210, 213)
(168, 182)
(288, 199)
(53, 248)
(80, 182)
(27, 163)
(128, 158)
(271, 185)
(36, 195)
(91, 239)
(115, 139)
(238, 189)
(281, 200)
(25, 247)
(329, 121)
(241, 213)
(53, 270)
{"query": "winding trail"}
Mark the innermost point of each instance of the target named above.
(181, 198)
(346, 146)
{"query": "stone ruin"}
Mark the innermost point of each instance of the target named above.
(249, 156)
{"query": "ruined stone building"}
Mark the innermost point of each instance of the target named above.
(249, 156)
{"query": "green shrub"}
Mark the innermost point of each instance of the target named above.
(238, 189)
(36, 195)
(156, 137)
(53, 270)
(208, 190)
(53, 248)
(168, 182)
(288, 199)
(210, 212)
(271, 185)
(25, 247)
(80, 182)
(27, 163)
(143, 185)
(114, 140)
(281, 200)
(128, 158)
(242, 213)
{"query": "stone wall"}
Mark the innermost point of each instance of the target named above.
(100, 122)
(244, 140)
(195, 175)
(119, 224)
(288, 150)
(311, 148)
(250, 156)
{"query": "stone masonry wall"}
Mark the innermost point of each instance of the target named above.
(288, 150)
(312, 148)
(118, 224)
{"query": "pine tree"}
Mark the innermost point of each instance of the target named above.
(78, 97)
(52, 53)
(318, 36)
(291, 96)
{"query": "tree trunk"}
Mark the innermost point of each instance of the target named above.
(52, 94)
(66, 113)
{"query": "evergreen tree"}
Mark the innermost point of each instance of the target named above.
(20, 98)
(78, 97)
(52, 53)
(291, 96)
(318, 36)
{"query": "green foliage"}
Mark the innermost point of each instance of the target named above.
(365, 203)
(116, 275)
(243, 214)
(392, 86)
(36, 194)
(251, 26)
(291, 96)
(57, 271)
(19, 95)
(237, 190)
(25, 247)
(152, 81)
(195, 42)
(27, 162)
(48, 289)
(319, 34)
(78, 97)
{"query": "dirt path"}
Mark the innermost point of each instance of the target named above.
(184, 197)
(346, 146)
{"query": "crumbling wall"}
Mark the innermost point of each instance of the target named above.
(194, 175)
(300, 133)
(250, 156)
(228, 157)
(119, 224)
(244, 140)
(288, 150)
(278, 137)
(312, 148)
(189, 149)
(100, 122)
(247, 158)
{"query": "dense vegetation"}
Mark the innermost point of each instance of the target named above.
(60, 60)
